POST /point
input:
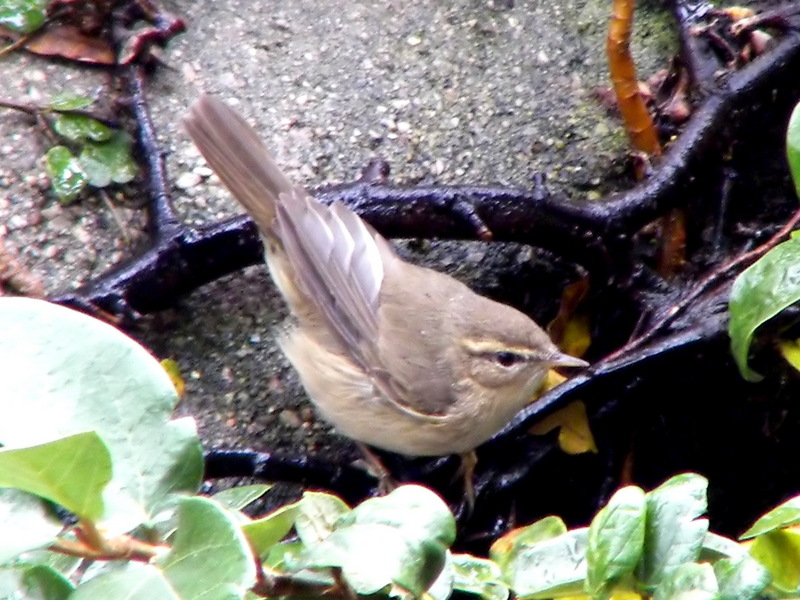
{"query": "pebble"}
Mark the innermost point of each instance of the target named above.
(16, 222)
(187, 180)
(203, 171)
(81, 234)
(290, 418)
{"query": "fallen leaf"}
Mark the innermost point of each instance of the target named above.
(575, 435)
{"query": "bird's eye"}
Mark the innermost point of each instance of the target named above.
(508, 359)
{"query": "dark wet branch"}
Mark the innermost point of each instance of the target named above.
(592, 234)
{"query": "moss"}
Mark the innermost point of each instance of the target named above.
(654, 38)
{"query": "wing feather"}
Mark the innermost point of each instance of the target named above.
(336, 259)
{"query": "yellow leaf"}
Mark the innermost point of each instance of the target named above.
(570, 329)
(575, 436)
(791, 352)
(625, 595)
(779, 552)
(174, 372)
(577, 337)
(552, 380)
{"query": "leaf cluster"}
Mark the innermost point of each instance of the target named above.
(654, 545)
(99, 484)
(93, 154)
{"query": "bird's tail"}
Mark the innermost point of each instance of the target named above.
(236, 154)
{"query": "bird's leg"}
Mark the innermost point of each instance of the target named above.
(386, 482)
(467, 470)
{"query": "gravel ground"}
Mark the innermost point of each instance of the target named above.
(457, 91)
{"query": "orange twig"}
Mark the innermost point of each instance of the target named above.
(638, 122)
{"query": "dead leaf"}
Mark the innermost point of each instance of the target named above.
(67, 41)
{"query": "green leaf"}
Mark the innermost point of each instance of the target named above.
(81, 128)
(45, 583)
(398, 540)
(110, 161)
(552, 568)
(779, 552)
(132, 581)
(741, 578)
(505, 549)
(26, 524)
(690, 581)
(288, 557)
(22, 16)
(285, 556)
(793, 147)
(67, 178)
(67, 101)
(37, 582)
(616, 541)
(716, 547)
(72, 472)
(674, 533)
(442, 586)
(318, 516)
(780, 517)
(478, 576)
(265, 532)
(759, 293)
(210, 558)
(236, 498)
(64, 373)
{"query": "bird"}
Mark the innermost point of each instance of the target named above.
(394, 355)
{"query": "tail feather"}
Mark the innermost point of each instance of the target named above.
(234, 151)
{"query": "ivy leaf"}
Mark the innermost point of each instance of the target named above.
(759, 293)
(319, 513)
(741, 578)
(210, 557)
(72, 472)
(400, 539)
(26, 524)
(82, 128)
(133, 581)
(793, 147)
(674, 533)
(478, 576)
(616, 540)
(67, 177)
(780, 517)
(110, 161)
(270, 529)
(505, 549)
(689, 581)
(548, 568)
(67, 101)
(236, 498)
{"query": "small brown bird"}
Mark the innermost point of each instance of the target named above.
(396, 356)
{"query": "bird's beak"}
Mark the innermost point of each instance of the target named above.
(559, 359)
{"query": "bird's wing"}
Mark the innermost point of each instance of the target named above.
(335, 257)
(337, 262)
(340, 262)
